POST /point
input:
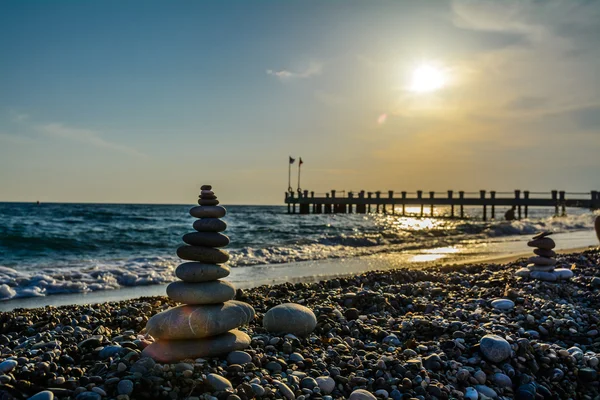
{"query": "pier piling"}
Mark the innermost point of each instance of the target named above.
(450, 193)
(526, 196)
(461, 196)
(518, 203)
(482, 197)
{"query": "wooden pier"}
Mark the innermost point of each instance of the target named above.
(387, 202)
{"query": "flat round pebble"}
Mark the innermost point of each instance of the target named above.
(199, 272)
(290, 318)
(125, 387)
(206, 255)
(8, 365)
(495, 348)
(218, 383)
(239, 357)
(361, 394)
(503, 304)
(43, 395)
(208, 212)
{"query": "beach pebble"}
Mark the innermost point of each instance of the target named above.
(88, 396)
(471, 394)
(209, 225)
(125, 387)
(526, 392)
(239, 357)
(543, 243)
(218, 383)
(208, 239)
(202, 254)
(43, 395)
(285, 390)
(7, 366)
(206, 187)
(495, 348)
(208, 212)
(486, 391)
(290, 318)
(544, 276)
(208, 202)
(502, 380)
(542, 235)
(213, 292)
(361, 394)
(199, 321)
(110, 351)
(326, 384)
(537, 260)
(545, 253)
(523, 272)
(563, 273)
(257, 389)
(165, 350)
(198, 272)
(503, 304)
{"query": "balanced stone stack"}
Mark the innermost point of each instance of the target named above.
(543, 265)
(205, 325)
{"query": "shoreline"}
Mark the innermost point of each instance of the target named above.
(382, 262)
(400, 333)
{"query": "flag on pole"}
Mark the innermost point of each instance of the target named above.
(300, 162)
(292, 160)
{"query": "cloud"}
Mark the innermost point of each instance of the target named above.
(18, 117)
(284, 74)
(85, 136)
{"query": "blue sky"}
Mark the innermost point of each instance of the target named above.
(131, 101)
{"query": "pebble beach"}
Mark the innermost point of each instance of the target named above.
(440, 333)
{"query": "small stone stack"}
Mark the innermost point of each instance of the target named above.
(543, 265)
(205, 325)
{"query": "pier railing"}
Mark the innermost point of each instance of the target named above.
(362, 202)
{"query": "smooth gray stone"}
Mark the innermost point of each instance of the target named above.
(203, 254)
(544, 268)
(542, 235)
(290, 318)
(197, 272)
(8, 365)
(212, 292)
(43, 395)
(544, 243)
(125, 387)
(206, 193)
(495, 348)
(168, 351)
(326, 384)
(208, 212)
(542, 260)
(486, 391)
(218, 383)
(208, 239)
(199, 321)
(208, 202)
(210, 225)
(206, 187)
(503, 304)
(544, 276)
(502, 380)
(362, 394)
(207, 197)
(544, 252)
(523, 272)
(239, 357)
(563, 273)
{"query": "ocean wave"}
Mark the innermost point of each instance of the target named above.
(103, 276)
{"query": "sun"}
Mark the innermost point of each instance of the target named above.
(427, 78)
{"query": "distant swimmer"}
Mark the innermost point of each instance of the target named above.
(510, 214)
(38, 202)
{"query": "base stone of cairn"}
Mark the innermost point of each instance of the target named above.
(205, 325)
(543, 264)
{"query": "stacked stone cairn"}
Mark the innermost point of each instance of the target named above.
(205, 325)
(543, 264)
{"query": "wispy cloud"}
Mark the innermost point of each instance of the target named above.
(313, 69)
(85, 136)
(17, 116)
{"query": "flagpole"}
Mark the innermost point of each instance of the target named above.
(299, 166)
(289, 176)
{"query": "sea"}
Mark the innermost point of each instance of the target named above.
(55, 249)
